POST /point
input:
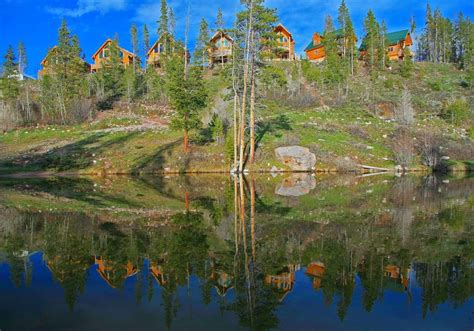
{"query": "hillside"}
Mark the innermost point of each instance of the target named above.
(344, 130)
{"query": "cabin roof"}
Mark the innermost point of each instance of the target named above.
(281, 26)
(312, 45)
(157, 41)
(43, 62)
(221, 33)
(392, 37)
(108, 41)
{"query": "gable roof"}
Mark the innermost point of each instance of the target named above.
(285, 29)
(50, 51)
(338, 33)
(397, 36)
(158, 41)
(108, 41)
(392, 37)
(221, 33)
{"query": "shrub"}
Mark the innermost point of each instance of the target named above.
(429, 147)
(455, 111)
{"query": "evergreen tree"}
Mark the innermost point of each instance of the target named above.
(146, 41)
(343, 18)
(64, 86)
(172, 22)
(371, 39)
(382, 57)
(187, 95)
(219, 24)
(22, 58)
(9, 86)
(134, 39)
(163, 22)
(202, 45)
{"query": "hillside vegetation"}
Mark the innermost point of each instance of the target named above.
(295, 109)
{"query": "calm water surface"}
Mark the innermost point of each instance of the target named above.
(213, 253)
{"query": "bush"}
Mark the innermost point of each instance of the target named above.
(455, 111)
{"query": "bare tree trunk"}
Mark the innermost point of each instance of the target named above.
(252, 116)
(245, 83)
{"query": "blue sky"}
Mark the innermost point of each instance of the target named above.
(36, 22)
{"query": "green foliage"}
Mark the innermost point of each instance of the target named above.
(9, 84)
(202, 45)
(407, 66)
(273, 77)
(186, 92)
(456, 111)
(229, 146)
(217, 128)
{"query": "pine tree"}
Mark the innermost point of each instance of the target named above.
(163, 22)
(382, 46)
(202, 45)
(187, 95)
(9, 86)
(219, 24)
(371, 40)
(22, 58)
(343, 18)
(172, 22)
(134, 39)
(65, 85)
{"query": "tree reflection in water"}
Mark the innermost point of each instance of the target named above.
(248, 251)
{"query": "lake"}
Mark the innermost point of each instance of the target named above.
(295, 252)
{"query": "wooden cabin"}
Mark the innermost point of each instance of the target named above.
(220, 49)
(50, 57)
(160, 48)
(284, 280)
(222, 282)
(398, 41)
(285, 49)
(102, 55)
(315, 51)
(316, 271)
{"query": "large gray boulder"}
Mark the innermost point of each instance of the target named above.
(296, 157)
(296, 185)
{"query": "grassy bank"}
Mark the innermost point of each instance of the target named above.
(343, 132)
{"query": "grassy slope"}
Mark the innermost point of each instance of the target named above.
(327, 131)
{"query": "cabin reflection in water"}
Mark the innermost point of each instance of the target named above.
(158, 273)
(221, 280)
(395, 274)
(112, 275)
(316, 271)
(284, 281)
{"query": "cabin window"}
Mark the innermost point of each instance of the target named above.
(106, 53)
(121, 54)
(283, 39)
(226, 43)
(155, 49)
(390, 49)
(162, 48)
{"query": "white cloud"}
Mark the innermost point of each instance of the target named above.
(88, 6)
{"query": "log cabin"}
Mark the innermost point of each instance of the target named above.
(397, 42)
(220, 48)
(50, 57)
(102, 55)
(285, 49)
(161, 47)
(315, 51)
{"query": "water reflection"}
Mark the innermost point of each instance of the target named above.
(214, 253)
